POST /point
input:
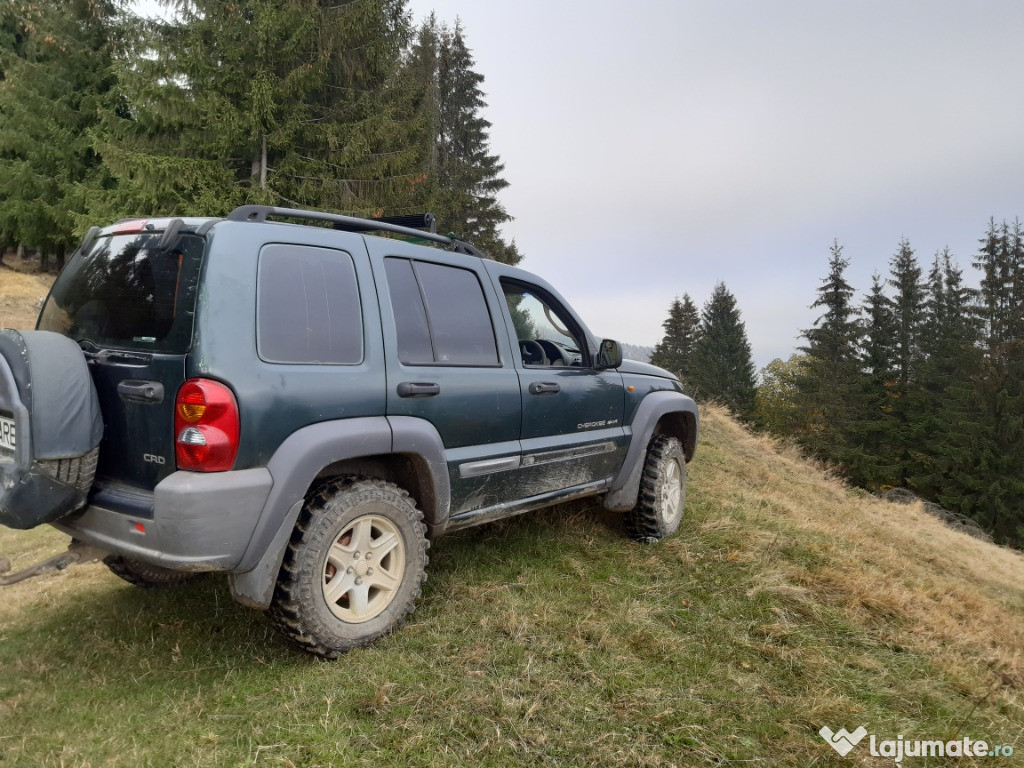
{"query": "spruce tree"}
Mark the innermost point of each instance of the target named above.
(462, 177)
(993, 488)
(944, 401)
(258, 101)
(57, 60)
(830, 373)
(994, 296)
(908, 304)
(870, 461)
(682, 328)
(722, 366)
(908, 309)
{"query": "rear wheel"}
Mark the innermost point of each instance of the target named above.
(145, 575)
(659, 506)
(353, 568)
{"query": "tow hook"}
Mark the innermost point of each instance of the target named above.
(78, 552)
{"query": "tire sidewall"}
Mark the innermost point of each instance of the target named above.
(672, 453)
(339, 512)
(645, 522)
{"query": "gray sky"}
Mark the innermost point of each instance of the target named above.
(655, 147)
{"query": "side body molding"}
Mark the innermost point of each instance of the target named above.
(296, 464)
(682, 421)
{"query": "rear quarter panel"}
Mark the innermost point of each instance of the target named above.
(276, 399)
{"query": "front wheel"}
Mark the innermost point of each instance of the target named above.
(659, 506)
(353, 568)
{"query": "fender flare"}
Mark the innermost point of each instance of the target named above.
(295, 466)
(652, 409)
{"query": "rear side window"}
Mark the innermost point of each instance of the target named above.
(308, 309)
(126, 293)
(441, 315)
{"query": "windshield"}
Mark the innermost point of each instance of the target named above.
(126, 293)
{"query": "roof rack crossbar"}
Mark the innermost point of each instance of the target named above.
(347, 223)
(420, 221)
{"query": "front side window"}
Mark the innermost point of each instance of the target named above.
(308, 308)
(546, 334)
(441, 315)
(128, 293)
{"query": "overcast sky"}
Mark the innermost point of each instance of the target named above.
(655, 147)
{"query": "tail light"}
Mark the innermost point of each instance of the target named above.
(205, 426)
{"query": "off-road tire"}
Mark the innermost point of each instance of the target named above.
(324, 547)
(144, 575)
(662, 496)
(77, 472)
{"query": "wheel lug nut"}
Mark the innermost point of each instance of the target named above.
(349, 569)
(358, 582)
(369, 555)
(356, 554)
(369, 571)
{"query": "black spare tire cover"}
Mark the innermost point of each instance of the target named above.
(50, 412)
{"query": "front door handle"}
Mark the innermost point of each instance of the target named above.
(418, 389)
(544, 388)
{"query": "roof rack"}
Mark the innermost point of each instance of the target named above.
(409, 226)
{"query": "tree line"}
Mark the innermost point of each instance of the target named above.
(341, 105)
(919, 385)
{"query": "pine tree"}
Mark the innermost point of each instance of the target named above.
(281, 102)
(682, 328)
(908, 307)
(722, 367)
(462, 177)
(993, 306)
(907, 311)
(830, 373)
(944, 401)
(992, 490)
(57, 60)
(870, 459)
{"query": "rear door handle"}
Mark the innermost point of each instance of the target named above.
(135, 391)
(418, 389)
(544, 388)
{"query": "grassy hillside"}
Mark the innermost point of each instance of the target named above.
(785, 603)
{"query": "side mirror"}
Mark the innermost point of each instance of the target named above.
(609, 355)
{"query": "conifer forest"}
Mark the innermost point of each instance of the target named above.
(918, 386)
(343, 105)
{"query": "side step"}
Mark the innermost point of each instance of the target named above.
(78, 552)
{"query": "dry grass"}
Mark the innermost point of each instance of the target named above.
(21, 295)
(787, 602)
(890, 566)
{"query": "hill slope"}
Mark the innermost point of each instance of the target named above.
(786, 603)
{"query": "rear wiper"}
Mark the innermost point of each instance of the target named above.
(88, 347)
(95, 354)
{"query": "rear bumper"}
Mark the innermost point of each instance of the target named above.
(200, 522)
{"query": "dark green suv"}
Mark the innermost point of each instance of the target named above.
(302, 401)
